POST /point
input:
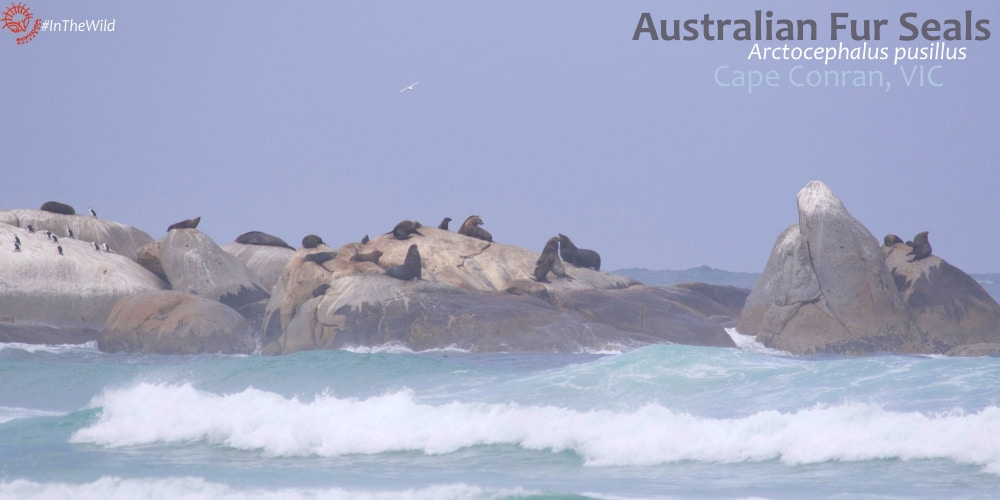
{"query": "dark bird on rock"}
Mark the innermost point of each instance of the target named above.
(69, 232)
(17, 240)
(31, 229)
(59, 247)
(106, 248)
(97, 247)
(93, 213)
(17, 247)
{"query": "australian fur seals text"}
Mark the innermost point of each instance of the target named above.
(579, 257)
(410, 268)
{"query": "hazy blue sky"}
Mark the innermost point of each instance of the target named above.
(540, 116)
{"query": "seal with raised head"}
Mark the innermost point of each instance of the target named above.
(549, 261)
(311, 241)
(405, 229)
(579, 257)
(444, 223)
(410, 268)
(185, 224)
(921, 247)
(891, 239)
(372, 256)
(58, 208)
(365, 240)
(262, 239)
(471, 228)
(319, 257)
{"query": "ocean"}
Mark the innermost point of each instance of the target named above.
(659, 422)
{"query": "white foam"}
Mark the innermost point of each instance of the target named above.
(8, 413)
(189, 488)
(398, 348)
(749, 343)
(90, 347)
(328, 426)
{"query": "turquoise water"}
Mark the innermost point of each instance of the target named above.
(665, 421)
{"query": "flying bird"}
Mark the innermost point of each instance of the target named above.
(410, 87)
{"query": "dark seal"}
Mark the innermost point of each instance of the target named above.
(921, 247)
(471, 228)
(405, 229)
(185, 224)
(262, 239)
(579, 257)
(891, 239)
(320, 290)
(549, 261)
(365, 240)
(372, 256)
(320, 257)
(58, 208)
(410, 268)
(444, 223)
(311, 241)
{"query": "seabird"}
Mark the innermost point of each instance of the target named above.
(17, 240)
(60, 249)
(17, 246)
(96, 247)
(93, 213)
(31, 228)
(69, 232)
(106, 249)
(409, 88)
(55, 239)
(48, 234)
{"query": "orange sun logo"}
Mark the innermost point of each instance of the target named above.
(16, 18)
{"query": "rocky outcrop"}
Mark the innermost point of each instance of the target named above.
(81, 285)
(947, 304)
(169, 322)
(267, 262)
(194, 264)
(120, 238)
(475, 295)
(827, 288)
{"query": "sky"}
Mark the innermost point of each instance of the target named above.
(541, 117)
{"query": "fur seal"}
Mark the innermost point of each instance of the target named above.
(372, 256)
(320, 290)
(311, 241)
(471, 228)
(444, 223)
(579, 257)
(58, 208)
(549, 261)
(921, 247)
(891, 239)
(262, 239)
(320, 257)
(405, 229)
(185, 224)
(410, 268)
(365, 240)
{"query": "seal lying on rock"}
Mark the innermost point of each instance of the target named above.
(410, 268)
(185, 224)
(320, 257)
(921, 247)
(891, 239)
(549, 261)
(471, 228)
(58, 208)
(372, 256)
(579, 257)
(262, 239)
(311, 241)
(405, 229)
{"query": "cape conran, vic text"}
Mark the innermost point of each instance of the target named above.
(764, 27)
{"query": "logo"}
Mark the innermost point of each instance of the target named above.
(17, 19)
